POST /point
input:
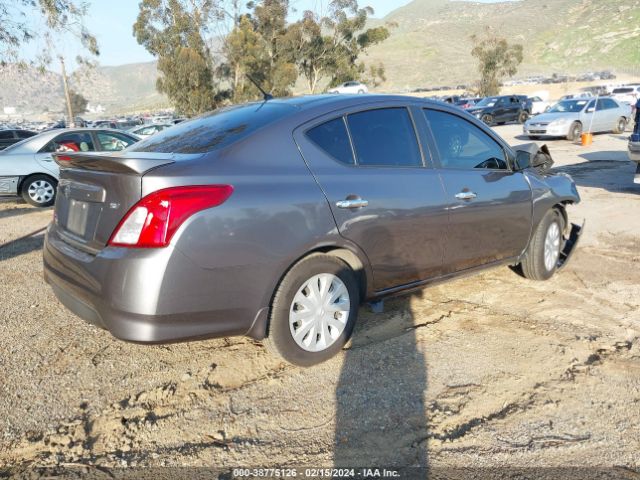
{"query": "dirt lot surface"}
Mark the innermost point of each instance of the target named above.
(488, 370)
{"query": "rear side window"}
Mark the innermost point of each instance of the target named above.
(5, 135)
(332, 137)
(384, 137)
(70, 142)
(214, 130)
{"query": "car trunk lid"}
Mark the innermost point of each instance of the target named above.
(96, 191)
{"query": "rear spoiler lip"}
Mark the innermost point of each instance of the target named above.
(130, 163)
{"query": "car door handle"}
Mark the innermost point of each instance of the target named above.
(352, 203)
(466, 196)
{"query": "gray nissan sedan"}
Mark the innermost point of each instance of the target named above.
(277, 219)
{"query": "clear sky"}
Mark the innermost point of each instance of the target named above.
(111, 22)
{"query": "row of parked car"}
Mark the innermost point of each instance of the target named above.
(569, 117)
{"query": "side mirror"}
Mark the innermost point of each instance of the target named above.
(523, 160)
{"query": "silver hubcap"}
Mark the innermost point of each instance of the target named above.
(41, 191)
(552, 246)
(319, 312)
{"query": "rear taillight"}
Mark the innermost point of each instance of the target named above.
(152, 222)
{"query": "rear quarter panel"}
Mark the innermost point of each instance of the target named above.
(240, 250)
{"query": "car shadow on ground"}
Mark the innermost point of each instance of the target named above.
(380, 395)
(608, 170)
(21, 247)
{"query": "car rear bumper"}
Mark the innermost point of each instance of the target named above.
(139, 294)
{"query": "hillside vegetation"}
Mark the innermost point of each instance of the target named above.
(430, 46)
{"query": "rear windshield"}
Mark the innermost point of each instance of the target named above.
(213, 130)
(622, 90)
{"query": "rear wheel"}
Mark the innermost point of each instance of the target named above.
(575, 131)
(39, 190)
(621, 125)
(487, 119)
(313, 311)
(541, 258)
(523, 117)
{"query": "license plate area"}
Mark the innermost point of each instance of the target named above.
(77, 217)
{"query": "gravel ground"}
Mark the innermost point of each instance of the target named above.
(490, 370)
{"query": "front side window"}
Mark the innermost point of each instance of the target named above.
(333, 139)
(70, 142)
(114, 142)
(462, 145)
(384, 137)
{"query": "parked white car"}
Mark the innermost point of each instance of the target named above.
(350, 87)
(627, 94)
(538, 105)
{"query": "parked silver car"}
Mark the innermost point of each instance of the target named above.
(569, 118)
(27, 168)
(277, 219)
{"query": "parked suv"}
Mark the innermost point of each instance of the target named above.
(501, 110)
(277, 219)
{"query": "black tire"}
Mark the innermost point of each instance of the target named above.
(575, 131)
(523, 117)
(621, 125)
(39, 190)
(533, 263)
(487, 119)
(361, 92)
(280, 339)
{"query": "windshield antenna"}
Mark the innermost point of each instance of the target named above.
(266, 96)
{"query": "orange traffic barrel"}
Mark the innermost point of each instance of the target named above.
(587, 139)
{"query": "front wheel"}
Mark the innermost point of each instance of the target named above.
(313, 311)
(39, 190)
(541, 258)
(575, 131)
(487, 119)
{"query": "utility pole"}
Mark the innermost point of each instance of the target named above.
(66, 93)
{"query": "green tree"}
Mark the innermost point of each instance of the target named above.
(174, 31)
(78, 103)
(496, 59)
(330, 46)
(256, 47)
(61, 17)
